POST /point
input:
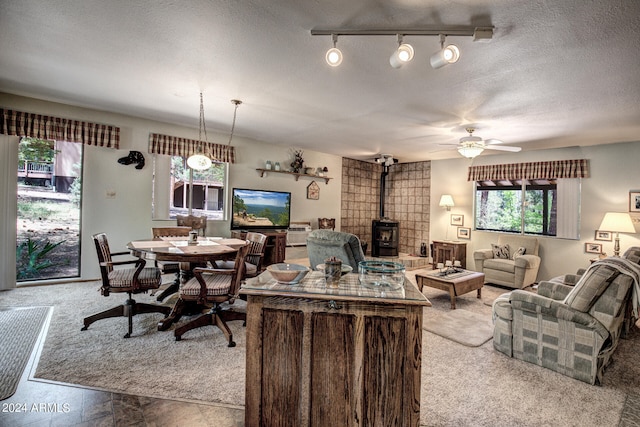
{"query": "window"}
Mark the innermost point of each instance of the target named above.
(521, 206)
(173, 187)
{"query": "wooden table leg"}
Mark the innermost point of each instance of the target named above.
(452, 295)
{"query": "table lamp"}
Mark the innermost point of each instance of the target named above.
(617, 222)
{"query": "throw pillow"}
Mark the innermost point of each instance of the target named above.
(500, 251)
(521, 250)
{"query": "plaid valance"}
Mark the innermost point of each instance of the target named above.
(534, 170)
(32, 125)
(175, 146)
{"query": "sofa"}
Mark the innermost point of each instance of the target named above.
(573, 330)
(513, 261)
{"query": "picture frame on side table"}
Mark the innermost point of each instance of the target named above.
(457, 219)
(634, 201)
(603, 235)
(464, 233)
(593, 248)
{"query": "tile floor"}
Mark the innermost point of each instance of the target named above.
(37, 403)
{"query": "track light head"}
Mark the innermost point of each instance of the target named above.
(446, 55)
(402, 55)
(334, 56)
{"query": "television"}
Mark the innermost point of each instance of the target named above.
(260, 209)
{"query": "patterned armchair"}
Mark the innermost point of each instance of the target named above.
(572, 330)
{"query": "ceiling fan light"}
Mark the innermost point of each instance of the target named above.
(470, 151)
(447, 55)
(402, 55)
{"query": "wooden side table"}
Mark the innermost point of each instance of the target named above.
(449, 251)
(455, 284)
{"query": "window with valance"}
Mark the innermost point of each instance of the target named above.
(23, 124)
(540, 198)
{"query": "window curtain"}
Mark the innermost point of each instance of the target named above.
(176, 146)
(534, 170)
(32, 125)
(8, 210)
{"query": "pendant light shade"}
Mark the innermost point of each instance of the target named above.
(199, 162)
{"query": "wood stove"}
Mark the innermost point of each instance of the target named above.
(385, 232)
(385, 235)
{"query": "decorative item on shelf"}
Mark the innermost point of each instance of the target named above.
(298, 161)
(325, 170)
(277, 166)
(313, 191)
(267, 165)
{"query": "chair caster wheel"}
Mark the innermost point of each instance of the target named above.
(178, 338)
(127, 335)
(232, 344)
(84, 328)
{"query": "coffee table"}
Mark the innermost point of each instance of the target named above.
(456, 283)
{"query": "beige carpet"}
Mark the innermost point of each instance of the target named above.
(461, 385)
(462, 326)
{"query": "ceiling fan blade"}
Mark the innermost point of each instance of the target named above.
(503, 148)
(493, 141)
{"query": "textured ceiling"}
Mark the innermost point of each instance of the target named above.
(556, 73)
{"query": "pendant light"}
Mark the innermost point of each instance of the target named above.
(199, 161)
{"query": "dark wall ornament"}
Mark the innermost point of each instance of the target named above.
(134, 157)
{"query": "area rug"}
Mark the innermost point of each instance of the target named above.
(19, 331)
(200, 367)
(462, 326)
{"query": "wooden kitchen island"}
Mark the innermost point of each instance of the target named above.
(322, 357)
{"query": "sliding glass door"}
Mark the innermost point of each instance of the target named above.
(49, 208)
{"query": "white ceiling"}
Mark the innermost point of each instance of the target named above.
(557, 72)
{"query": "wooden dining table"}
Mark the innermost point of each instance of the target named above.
(188, 255)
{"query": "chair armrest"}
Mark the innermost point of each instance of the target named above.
(120, 253)
(482, 254)
(112, 263)
(554, 290)
(226, 271)
(538, 304)
(527, 261)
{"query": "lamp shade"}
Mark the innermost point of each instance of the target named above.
(617, 222)
(446, 201)
(470, 151)
(447, 55)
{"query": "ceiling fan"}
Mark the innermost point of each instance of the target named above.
(471, 146)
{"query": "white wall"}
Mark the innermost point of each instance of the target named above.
(614, 172)
(128, 216)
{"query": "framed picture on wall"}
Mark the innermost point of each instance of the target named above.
(634, 201)
(603, 235)
(593, 248)
(457, 219)
(464, 233)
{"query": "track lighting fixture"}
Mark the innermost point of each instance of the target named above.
(446, 55)
(334, 56)
(402, 55)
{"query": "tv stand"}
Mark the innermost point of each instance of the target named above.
(274, 249)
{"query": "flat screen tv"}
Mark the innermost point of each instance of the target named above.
(260, 209)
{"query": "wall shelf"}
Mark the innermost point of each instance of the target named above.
(296, 174)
